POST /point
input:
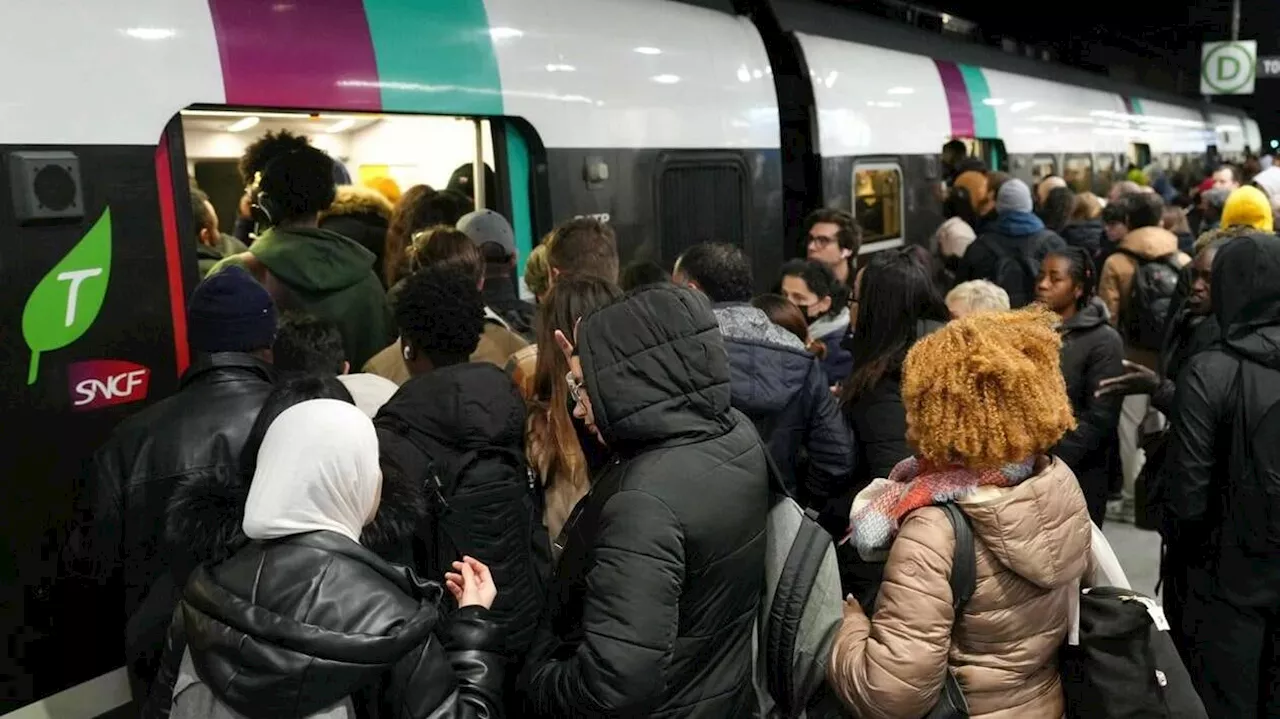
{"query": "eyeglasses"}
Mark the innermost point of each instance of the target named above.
(822, 240)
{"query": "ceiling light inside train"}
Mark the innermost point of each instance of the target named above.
(505, 33)
(666, 79)
(648, 50)
(151, 33)
(243, 124)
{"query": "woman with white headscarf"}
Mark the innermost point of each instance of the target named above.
(306, 622)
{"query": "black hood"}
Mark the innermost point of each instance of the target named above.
(1246, 296)
(464, 407)
(656, 370)
(1092, 315)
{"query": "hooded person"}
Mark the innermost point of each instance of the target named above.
(304, 620)
(985, 405)
(1220, 504)
(652, 608)
(309, 269)
(361, 214)
(1011, 249)
(194, 435)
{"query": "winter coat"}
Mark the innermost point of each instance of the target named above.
(1115, 281)
(500, 296)
(194, 435)
(1012, 231)
(1201, 509)
(292, 626)
(1091, 352)
(783, 390)
(1032, 543)
(1085, 234)
(831, 331)
(460, 408)
(653, 604)
(327, 275)
(1188, 336)
(497, 344)
(361, 214)
(207, 257)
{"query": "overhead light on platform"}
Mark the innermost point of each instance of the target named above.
(901, 90)
(992, 101)
(243, 124)
(560, 67)
(648, 50)
(505, 33)
(744, 75)
(666, 79)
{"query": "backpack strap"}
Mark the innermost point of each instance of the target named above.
(964, 565)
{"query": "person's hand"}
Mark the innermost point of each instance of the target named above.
(1137, 380)
(471, 584)
(851, 606)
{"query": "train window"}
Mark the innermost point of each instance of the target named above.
(1077, 170)
(1166, 161)
(701, 196)
(1042, 166)
(990, 151)
(878, 204)
(1104, 174)
(1139, 154)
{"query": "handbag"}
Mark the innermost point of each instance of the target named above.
(964, 578)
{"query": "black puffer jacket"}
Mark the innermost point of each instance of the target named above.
(655, 597)
(451, 411)
(195, 435)
(1091, 352)
(288, 627)
(1202, 512)
(1085, 234)
(783, 390)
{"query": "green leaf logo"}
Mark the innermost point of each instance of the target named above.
(66, 302)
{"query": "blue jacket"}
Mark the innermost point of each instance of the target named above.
(783, 390)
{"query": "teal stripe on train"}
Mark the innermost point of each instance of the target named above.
(435, 56)
(984, 116)
(521, 216)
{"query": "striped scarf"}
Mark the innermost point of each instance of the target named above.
(914, 484)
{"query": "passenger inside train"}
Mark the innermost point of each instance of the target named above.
(675, 389)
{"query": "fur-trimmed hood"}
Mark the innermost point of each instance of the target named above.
(400, 512)
(358, 200)
(204, 517)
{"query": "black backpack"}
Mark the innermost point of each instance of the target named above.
(1126, 664)
(1254, 489)
(484, 503)
(1016, 272)
(1146, 313)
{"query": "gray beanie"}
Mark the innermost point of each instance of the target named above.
(1014, 196)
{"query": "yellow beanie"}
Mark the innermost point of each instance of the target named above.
(1247, 206)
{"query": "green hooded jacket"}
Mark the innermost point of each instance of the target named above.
(324, 274)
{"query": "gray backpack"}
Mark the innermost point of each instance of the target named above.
(800, 613)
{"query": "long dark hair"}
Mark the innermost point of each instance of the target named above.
(1082, 272)
(1056, 210)
(895, 294)
(783, 313)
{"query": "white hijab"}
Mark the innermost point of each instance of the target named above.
(317, 470)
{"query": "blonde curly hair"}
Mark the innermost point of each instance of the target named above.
(987, 390)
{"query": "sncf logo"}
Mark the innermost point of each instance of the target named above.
(105, 383)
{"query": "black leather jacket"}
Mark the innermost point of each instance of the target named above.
(198, 432)
(289, 627)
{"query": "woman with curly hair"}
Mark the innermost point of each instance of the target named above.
(985, 403)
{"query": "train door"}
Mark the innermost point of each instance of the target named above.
(1139, 154)
(1042, 166)
(1104, 173)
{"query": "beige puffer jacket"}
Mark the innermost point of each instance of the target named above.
(1115, 281)
(1032, 543)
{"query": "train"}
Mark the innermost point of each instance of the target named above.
(677, 121)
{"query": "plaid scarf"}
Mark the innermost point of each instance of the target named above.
(914, 484)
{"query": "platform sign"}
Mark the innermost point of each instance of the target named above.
(1269, 66)
(1228, 68)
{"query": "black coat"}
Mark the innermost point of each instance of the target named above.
(1085, 234)
(654, 600)
(1200, 516)
(457, 409)
(288, 627)
(783, 390)
(196, 435)
(1091, 352)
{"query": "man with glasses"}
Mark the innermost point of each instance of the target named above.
(833, 238)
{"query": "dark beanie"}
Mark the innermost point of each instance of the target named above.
(231, 312)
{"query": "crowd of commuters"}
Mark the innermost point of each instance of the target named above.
(390, 486)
